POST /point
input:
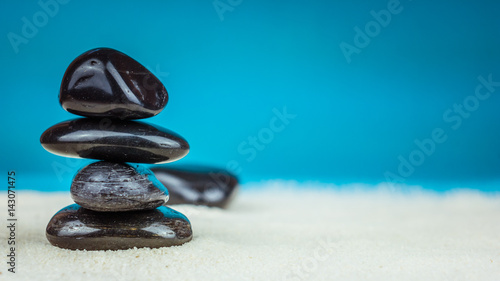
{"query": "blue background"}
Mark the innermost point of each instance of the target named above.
(226, 71)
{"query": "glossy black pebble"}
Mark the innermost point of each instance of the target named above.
(114, 187)
(198, 185)
(77, 228)
(114, 141)
(107, 83)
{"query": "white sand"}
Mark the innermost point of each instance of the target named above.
(286, 234)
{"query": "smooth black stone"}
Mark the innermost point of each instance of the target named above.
(198, 185)
(114, 141)
(77, 228)
(116, 187)
(104, 82)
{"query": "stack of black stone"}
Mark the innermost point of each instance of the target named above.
(118, 205)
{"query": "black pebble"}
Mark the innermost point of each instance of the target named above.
(114, 187)
(198, 185)
(114, 141)
(107, 83)
(75, 227)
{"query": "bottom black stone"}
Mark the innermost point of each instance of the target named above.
(77, 228)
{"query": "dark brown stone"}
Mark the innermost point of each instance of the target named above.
(198, 185)
(104, 82)
(114, 141)
(77, 228)
(117, 187)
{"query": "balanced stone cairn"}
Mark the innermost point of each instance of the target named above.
(119, 205)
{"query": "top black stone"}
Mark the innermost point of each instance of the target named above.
(104, 82)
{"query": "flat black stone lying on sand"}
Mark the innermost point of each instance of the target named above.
(77, 228)
(198, 185)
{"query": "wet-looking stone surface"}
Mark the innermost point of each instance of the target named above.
(77, 228)
(113, 187)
